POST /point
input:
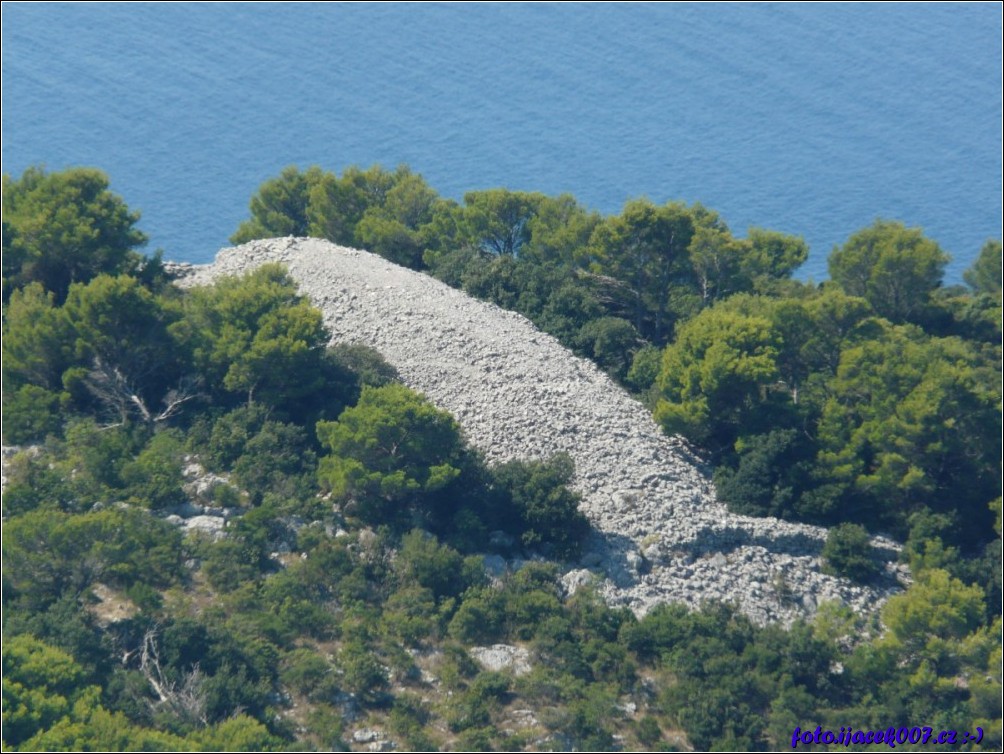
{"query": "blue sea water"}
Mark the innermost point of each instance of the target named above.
(810, 119)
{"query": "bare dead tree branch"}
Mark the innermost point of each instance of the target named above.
(112, 388)
(186, 699)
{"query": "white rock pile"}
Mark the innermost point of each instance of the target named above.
(517, 393)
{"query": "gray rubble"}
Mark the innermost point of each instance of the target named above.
(500, 657)
(661, 535)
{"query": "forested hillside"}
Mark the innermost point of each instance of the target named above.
(222, 533)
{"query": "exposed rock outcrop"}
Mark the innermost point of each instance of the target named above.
(517, 393)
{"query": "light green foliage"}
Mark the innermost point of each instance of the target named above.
(30, 413)
(35, 341)
(914, 421)
(280, 206)
(154, 478)
(894, 267)
(847, 552)
(931, 617)
(715, 375)
(62, 228)
(645, 368)
(423, 561)
(40, 685)
(256, 336)
(388, 451)
(238, 733)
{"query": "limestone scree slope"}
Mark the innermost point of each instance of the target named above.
(661, 535)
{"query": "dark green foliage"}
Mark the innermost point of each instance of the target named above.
(646, 248)
(280, 206)
(984, 276)
(773, 471)
(914, 422)
(848, 553)
(479, 619)
(498, 220)
(648, 731)
(362, 673)
(548, 515)
(106, 351)
(401, 227)
(49, 554)
(64, 228)
(423, 561)
(408, 718)
(611, 343)
(364, 362)
(277, 459)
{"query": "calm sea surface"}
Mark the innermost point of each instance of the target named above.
(810, 119)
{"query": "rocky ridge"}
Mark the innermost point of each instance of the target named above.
(661, 535)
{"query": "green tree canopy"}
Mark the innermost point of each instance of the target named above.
(646, 247)
(847, 552)
(546, 511)
(984, 276)
(255, 335)
(63, 228)
(914, 422)
(389, 450)
(280, 207)
(715, 375)
(106, 349)
(498, 220)
(894, 267)
(400, 227)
